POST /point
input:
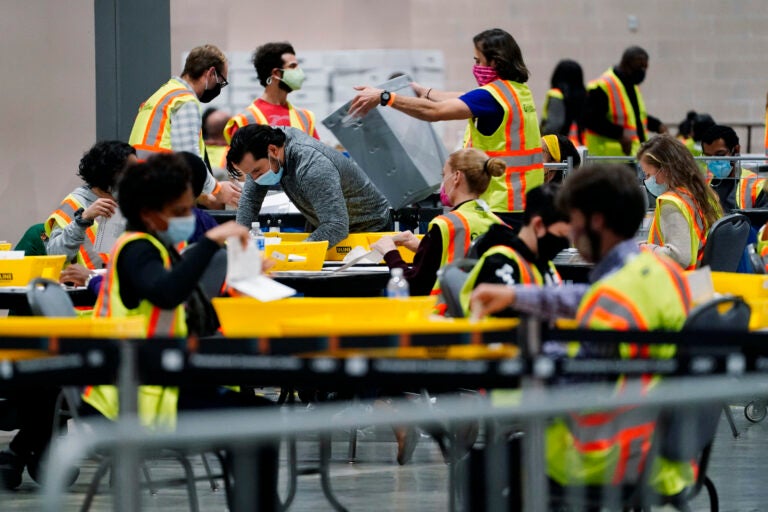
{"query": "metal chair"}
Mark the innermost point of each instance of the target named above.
(758, 265)
(725, 244)
(48, 298)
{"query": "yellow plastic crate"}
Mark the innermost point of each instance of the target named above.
(36, 326)
(5, 246)
(284, 252)
(246, 316)
(287, 237)
(20, 272)
(331, 325)
(340, 250)
(752, 287)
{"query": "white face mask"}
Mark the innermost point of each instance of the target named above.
(655, 188)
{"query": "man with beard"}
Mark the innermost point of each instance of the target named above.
(616, 119)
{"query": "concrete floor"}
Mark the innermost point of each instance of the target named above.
(376, 482)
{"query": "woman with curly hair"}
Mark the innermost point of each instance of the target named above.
(685, 206)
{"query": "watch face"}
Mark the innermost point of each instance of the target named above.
(385, 97)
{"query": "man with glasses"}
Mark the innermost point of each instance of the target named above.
(279, 73)
(171, 119)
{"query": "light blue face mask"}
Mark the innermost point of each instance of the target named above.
(719, 168)
(655, 188)
(179, 229)
(270, 177)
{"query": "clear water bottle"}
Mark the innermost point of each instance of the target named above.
(397, 287)
(257, 236)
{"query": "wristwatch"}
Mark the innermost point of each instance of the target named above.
(385, 97)
(85, 223)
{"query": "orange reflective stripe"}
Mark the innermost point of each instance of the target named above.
(451, 242)
(625, 438)
(620, 300)
(599, 418)
(613, 86)
(161, 104)
(682, 289)
(71, 203)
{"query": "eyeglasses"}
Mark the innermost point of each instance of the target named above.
(223, 82)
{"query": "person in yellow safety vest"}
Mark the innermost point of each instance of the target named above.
(214, 121)
(616, 119)
(526, 257)
(686, 207)
(71, 229)
(563, 110)
(147, 278)
(557, 149)
(279, 73)
(171, 118)
(466, 175)
(501, 114)
(737, 188)
(631, 288)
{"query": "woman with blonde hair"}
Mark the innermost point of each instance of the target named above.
(466, 176)
(685, 206)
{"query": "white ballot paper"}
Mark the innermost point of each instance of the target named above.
(244, 273)
(109, 231)
(360, 255)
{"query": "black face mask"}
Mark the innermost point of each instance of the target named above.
(209, 94)
(550, 245)
(637, 76)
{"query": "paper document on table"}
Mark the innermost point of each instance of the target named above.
(244, 273)
(109, 231)
(11, 255)
(359, 255)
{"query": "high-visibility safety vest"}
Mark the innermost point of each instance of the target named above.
(157, 404)
(151, 131)
(749, 187)
(61, 218)
(620, 112)
(573, 130)
(694, 216)
(459, 227)
(517, 142)
(527, 273)
(649, 292)
(299, 118)
(217, 155)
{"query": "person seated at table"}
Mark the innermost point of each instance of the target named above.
(737, 188)
(331, 191)
(631, 288)
(466, 175)
(72, 228)
(526, 257)
(557, 149)
(685, 206)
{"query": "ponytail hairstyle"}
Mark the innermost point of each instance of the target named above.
(253, 139)
(477, 168)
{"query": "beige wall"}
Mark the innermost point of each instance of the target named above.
(705, 54)
(47, 106)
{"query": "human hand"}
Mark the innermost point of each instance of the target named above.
(220, 233)
(229, 193)
(267, 264)
(407, 239)
(76, 274)
(490, 298)
(102, 207)
(419, 89)
(366, 100)
(384, 245)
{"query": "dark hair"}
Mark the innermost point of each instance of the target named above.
(268, 57)
(567, 149)
(609, 189)
(541, 202)
(198, 171)
(500, 48)
(568, 77)
(253, 139)
(632, 53)
(719, 131)
(202, 58)
(102, 164)
(151, 185)
(701, 124)
(685, 128)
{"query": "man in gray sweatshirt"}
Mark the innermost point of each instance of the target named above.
(330, 190)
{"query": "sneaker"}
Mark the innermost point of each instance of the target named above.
(11, 468)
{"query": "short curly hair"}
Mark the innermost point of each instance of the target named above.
(268, 57)
(101, 165)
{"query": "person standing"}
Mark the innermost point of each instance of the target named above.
(279, 73)
(616, 119)
(563, 112)
(501, 114)
(171, 118)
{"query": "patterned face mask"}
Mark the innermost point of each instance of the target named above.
(484, 74)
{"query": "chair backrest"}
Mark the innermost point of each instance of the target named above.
(48, 298)
(452, 278)
(726, 241)
(213, 277)
(758, 265)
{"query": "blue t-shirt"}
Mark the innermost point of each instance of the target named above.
(488, 112)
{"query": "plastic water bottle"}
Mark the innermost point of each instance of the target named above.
(397, 287)
(257, 236)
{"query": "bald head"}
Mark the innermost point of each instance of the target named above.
(213, 127)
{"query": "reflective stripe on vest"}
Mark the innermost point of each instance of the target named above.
(61, 218)
(301, 119)
(151, 132)
(750, 186)
(684, 202)
(517, 141)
